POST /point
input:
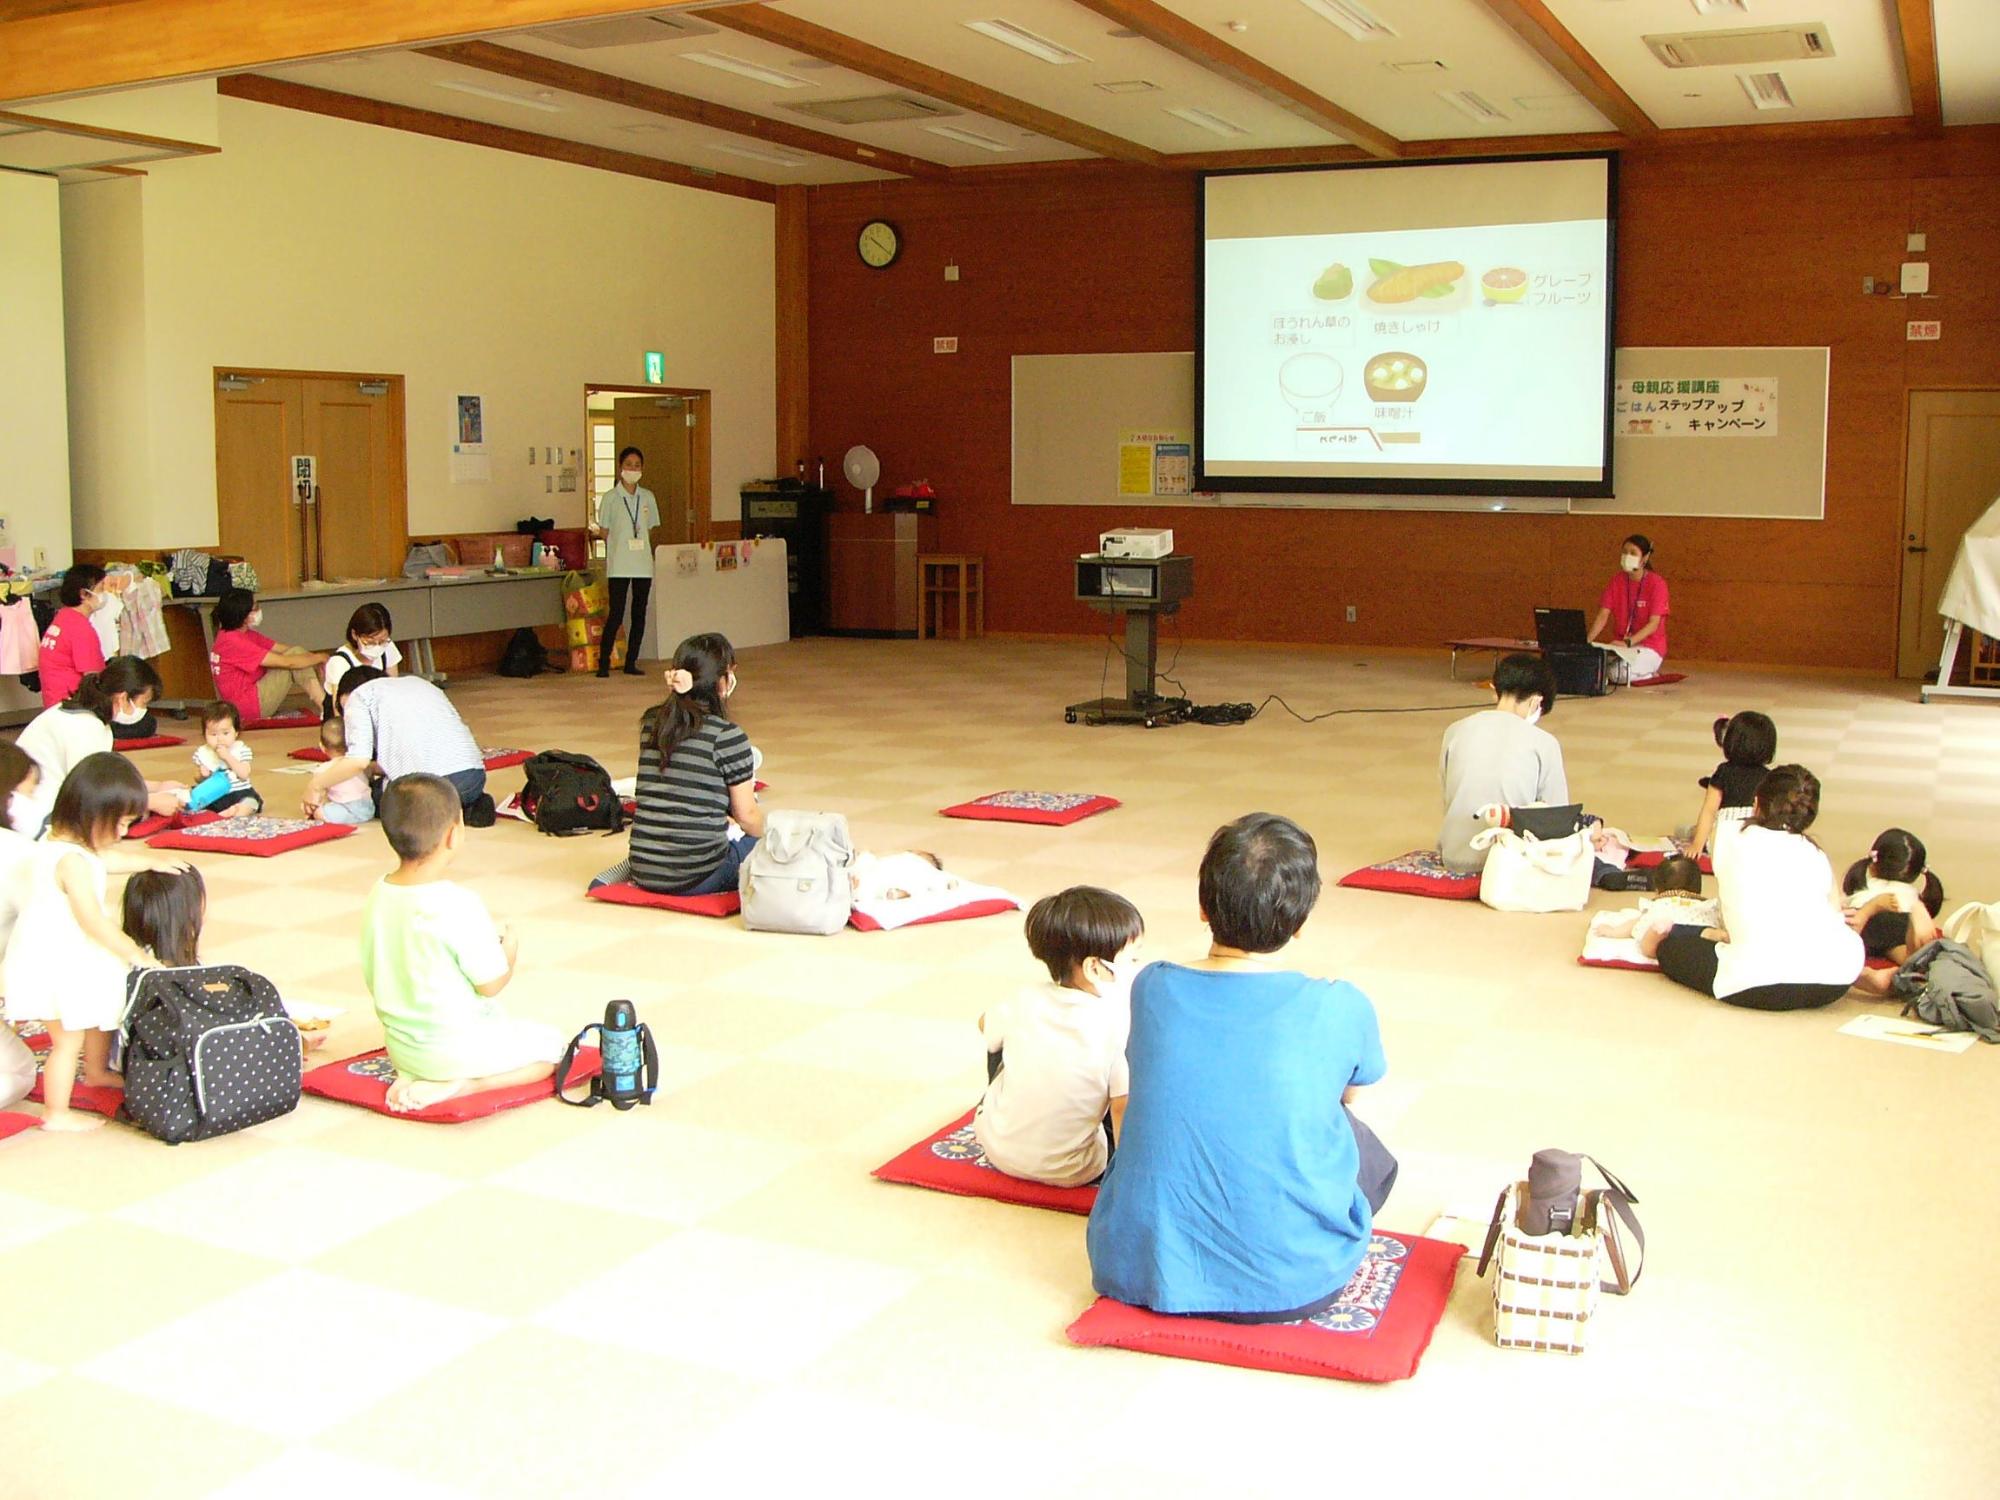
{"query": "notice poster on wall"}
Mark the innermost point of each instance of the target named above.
(1154, 463)
(1696, 406)
(470, 462)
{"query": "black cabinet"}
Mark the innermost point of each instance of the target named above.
(798, 514)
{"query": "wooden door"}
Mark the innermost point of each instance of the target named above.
(1951, 474)
(259, 426)
(354, 429)
(658, 427)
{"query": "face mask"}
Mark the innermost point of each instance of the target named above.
(631, 478)
(256, 619)
(130, 716)
(374, 653)
(111, 606)
(729, 686)
(1629, 563)
(1535, 714)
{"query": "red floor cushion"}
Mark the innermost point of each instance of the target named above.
(149, 742)
(309, 752)
(365, 1081)
(259, 837)
(1660, 679)
(1617, 963)
(12, 1123)
(721, 904)
(951, 1162)
(989, 906)
(1377, 1331)
(1421, 872)
(154, 823)
(1648, 859)
(501, 759)
(95, 1098)
(284, 721)
(1057, 809)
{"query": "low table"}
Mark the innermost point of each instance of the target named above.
(1498, 644)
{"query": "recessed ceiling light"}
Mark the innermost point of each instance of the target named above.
(1207, 120)
(1766, 90)
(1467, 102)
(1722, 7)
(1130, 86)
(1542, 104)
(1023, 40)
(1418, 65)
(968, 137)
(744, 69)
(754, 154)
(526, 101)
(1356, 20)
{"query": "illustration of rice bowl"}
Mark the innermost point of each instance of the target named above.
(1504, 284)
(1310, 382)
(1395, 376)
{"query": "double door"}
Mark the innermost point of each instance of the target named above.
(1951, 475)
(351, 520)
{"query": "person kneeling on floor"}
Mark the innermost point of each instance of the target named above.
(434, 961)
(1052, 1111)
(1243, 1189)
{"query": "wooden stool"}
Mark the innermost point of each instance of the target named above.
(940, 575)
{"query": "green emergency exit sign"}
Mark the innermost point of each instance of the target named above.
(656, 367)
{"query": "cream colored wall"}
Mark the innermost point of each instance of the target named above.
(35, 495)
(103, 309)
(316, 244)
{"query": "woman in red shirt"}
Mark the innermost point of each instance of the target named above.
(252, 671)
(70, 647)
(1634, 607)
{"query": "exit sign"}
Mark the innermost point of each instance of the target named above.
(656, 367)
(1925, 332)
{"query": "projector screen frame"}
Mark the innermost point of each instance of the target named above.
(1415, 486)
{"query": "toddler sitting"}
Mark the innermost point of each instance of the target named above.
(898, 877)
(351, 801)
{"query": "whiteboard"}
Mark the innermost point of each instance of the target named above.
(1070, 411)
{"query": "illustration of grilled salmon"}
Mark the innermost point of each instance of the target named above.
(1413, 282)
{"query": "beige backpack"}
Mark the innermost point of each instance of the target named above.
(1978, 927)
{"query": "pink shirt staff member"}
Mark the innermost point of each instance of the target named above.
(253, 672)
(1635, 609)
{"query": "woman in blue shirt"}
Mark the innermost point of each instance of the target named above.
(1243, 1188)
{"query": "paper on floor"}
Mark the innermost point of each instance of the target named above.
(1908, 1033)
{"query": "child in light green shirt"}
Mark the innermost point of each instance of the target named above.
(434, 961)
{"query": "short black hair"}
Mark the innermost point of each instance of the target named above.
(217, 711)
(100, 790)
(1747, 739)
(1523, 676)
(163, 911)
(1085, 921)
(1678, 873)
(78, 581)
(371, 618)
(1898, 854)
(1642, 542)
(418, 810)
(629, 451)
(232, 609)
(352, 678)
(1259, 882)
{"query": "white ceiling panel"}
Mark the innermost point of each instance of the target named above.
(1968, 46)
(1387, 81)
(409, 79)
(933, 32)
(664, 65)
(1863, 79)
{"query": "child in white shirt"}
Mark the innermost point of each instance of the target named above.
(1056, 1079)
(898, 877)
(1676, 901)
(223, 749)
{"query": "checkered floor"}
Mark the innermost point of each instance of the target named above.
(712, 1297)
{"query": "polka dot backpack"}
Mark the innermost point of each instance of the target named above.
(208, 1051)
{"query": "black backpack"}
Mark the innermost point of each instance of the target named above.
(208, 1051)
(567, 794)
(525, 655)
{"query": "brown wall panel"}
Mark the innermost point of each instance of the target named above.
(1739, 245)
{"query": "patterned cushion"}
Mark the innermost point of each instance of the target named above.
(148, 742)
(1421, 872)
(951, 1162)
(365, 1080)
(260, 837)
(1057, 809)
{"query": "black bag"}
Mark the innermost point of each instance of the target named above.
(1584, 672)
(567, 794)
(208, 1051)
(525, 655)
(1546, 823)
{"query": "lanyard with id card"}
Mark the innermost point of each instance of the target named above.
(637, 541)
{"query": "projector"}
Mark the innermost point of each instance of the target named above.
(1136, 541)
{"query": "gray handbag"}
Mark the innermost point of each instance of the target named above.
(796, 879)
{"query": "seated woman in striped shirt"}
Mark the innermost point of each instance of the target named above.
(696, 772)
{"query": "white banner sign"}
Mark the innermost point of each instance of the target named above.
(1699, 406)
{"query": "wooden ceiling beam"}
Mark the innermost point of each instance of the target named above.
(1920, 64)
(262, 90)
(1534, 23)
(17, 121)
(1182, 37)
(49, 49)
(774, 26)
(529, 67)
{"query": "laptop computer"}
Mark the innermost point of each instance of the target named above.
(1561, 629)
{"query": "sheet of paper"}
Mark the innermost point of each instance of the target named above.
(1466, 1226)
(1908, 1033)
(1625, 653)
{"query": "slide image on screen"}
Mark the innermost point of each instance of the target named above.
(1423, 329)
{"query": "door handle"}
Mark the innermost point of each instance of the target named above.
(1916, 549)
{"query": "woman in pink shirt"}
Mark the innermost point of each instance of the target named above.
(253, 672)
(1634, 607)
(70, 647)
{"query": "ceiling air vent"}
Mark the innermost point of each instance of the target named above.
(1766, 90)
(1467, 102)
(1744, 45)
(625, 31)
(878, 109)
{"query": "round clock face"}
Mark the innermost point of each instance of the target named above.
(879, 244)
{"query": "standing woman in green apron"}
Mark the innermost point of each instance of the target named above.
(626, 516)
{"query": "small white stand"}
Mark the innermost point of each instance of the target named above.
(1942, 688)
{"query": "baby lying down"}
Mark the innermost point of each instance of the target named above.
(1676, 902)
(898, 877)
